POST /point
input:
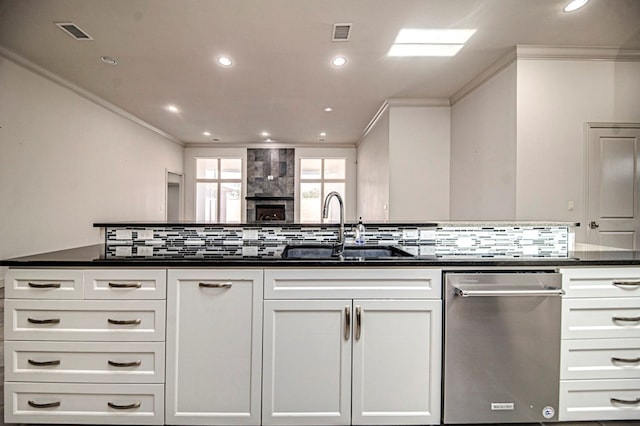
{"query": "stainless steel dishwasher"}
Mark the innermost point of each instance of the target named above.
(501, 347)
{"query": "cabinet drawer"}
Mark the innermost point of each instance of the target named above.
(43, 284)
(125, 284)
(90, 320)
(600, 318)
(601, 282)
(86, 362)
(342, 283)
(83, 403)
(596, 400)
(600, 359)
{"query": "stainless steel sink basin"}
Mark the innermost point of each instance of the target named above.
(328, 251)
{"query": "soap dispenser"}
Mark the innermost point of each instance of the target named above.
(360, 231)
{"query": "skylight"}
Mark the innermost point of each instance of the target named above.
(429, 42)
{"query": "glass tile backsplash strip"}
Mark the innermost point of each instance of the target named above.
(219, 241)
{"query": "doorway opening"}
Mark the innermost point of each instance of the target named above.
(174, 208)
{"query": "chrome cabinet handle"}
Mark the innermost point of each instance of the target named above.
(626, 319)
(125, 285)
(44, 321)
(44, 405)
(124, 407)
(347, 322)
(627, 284)
(226, 284)
(627, 360)
(124, 322)
(626, 401)
(358, 322)
(124, 364)
(43, 363)
(45, 285)
(465, 292)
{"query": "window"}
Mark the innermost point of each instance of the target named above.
(219, 190)
(318, 177)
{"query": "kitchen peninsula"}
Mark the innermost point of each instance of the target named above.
(208, 324)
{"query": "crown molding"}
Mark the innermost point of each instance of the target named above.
(484, 76)
(577, 53)
(14, 57)
(532, 52)
(412, 102)
(267, 145)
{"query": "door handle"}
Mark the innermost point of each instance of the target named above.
(594, 225)
(358, 322)
(347, 322)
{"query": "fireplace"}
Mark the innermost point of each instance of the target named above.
(270, 212)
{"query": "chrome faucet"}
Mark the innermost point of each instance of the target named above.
(325, 214)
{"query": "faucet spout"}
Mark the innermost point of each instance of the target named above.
(325, 214)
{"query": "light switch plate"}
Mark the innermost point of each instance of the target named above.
(145, 234)
(250, 234)
(124, 234)
(250, 251)
(144, 251)
(123, 251)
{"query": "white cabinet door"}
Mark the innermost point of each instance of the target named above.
(307, 362)
(396, 362)
(213, 347)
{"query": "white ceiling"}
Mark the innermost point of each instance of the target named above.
(282, 77)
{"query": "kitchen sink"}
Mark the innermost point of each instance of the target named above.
(328, 251)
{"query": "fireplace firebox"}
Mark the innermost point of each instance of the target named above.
(270, 212)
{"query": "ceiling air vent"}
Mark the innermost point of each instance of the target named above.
(73, 30)
(341, 32)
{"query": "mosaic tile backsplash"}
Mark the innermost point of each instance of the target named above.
(446, 241)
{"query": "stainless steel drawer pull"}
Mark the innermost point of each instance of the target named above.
(44, 321)
(45, 285)
(358, 322)
(627, 360)
(124, 364)
(44, 363)
(466, 292)
(627, 283)
(626, 319)
(125, 285)
(347, 322)
(216, 285)
(125, 322)
(44, 405)
(124, 407)
(626, 401)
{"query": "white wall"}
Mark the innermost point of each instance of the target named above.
(373, 172)
(483, 151)
(66, 162)
(419, 153)
(555, 100)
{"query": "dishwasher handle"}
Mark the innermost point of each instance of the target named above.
(470, 292)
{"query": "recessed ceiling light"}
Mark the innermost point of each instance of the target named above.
(264, 134)
(206, 133)
(108, 60)
(339, 61)
(328, 109)
(424, 49)
(574, 5)
(268, 140)
(172, 108)
(224, 61)
(323, 133)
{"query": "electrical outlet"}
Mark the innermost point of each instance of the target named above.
(571, 205)
(123, 251)
(144, 251)
(249, 251)
(250, 234)
(145, 234)
(124, 234)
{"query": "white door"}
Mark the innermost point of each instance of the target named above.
(613, 216)
(214, 347)
(396, 362)
(307, 362)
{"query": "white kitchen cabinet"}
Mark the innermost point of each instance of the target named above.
(307, 362)
(354, 361)
(70, 359)
(600, 349)
(214, 343)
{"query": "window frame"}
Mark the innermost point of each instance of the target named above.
(219, 181)
(322, 181)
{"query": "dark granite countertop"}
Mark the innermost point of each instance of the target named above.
(94, 256)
